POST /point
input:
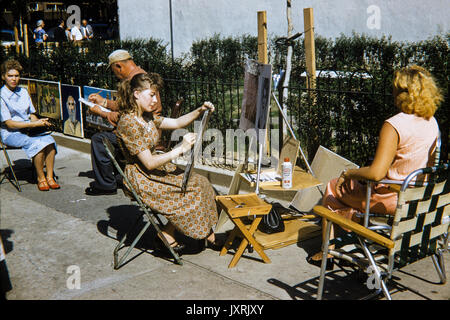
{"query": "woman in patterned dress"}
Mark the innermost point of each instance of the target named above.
(154, 177)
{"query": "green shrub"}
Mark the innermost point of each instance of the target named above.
(345, 113)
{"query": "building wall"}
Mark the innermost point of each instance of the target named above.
(404, 20)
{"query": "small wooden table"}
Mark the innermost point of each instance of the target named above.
(239, 207)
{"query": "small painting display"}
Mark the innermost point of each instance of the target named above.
(30, 85)
(93, 120)
(72, 113)
(48, 99)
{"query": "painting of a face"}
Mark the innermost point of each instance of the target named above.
(72, 111)
(71, 108)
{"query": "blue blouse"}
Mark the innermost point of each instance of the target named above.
(39, 35)
(14, 105)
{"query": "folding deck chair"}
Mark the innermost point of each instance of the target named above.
(145, 211)
(419, 228)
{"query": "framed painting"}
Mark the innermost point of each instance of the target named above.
(30, 85)
(72, 113)
(48, 99)
(93, 120)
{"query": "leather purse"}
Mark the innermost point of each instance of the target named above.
(37, 131)
(273, 222)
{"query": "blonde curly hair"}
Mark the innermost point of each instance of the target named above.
(415, 91)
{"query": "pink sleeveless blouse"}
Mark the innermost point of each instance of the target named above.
(417, 143)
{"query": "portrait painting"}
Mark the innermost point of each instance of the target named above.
(48, 99)
(72, 114)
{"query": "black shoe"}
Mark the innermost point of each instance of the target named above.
(318, 263)
(93, 191)
(216, 245)
(160, 246)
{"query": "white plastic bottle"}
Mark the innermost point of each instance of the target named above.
(286, 174)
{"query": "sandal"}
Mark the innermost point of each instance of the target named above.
(318, 263)
(52, 184)
(43, 185)
(160, 246)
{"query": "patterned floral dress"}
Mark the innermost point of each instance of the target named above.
(193, 213)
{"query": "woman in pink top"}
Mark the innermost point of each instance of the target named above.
(407, 142)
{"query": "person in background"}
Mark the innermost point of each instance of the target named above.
(60, 32)
(68, 34)
(407, 142)
(76, 32)
(17, 114)
(86, 30)
(39, 34)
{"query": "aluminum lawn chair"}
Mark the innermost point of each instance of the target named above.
(9, 171)
(383, 244)
(151, 216)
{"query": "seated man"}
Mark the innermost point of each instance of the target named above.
(105, 182)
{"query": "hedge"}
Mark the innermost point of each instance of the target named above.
(344, 114)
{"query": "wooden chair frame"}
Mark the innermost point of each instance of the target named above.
(151, 216)
(419, 228)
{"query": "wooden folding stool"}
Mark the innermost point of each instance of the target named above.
(238, 208)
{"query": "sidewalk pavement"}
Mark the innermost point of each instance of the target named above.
(52, 237)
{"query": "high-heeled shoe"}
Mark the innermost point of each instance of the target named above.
(318, 263)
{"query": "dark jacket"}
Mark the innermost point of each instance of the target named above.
(60, 34)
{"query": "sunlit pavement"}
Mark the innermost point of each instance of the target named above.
(59, 245)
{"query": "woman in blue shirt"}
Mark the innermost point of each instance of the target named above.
(16, 114)
(39, 33)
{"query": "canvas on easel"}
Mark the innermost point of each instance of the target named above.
(256, 101)
(195, 151)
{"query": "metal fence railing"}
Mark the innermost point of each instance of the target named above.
(343, 113)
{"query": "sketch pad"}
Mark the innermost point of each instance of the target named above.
(91, 105)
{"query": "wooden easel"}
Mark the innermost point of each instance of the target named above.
(250, 233)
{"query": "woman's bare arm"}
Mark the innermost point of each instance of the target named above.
(152, 161)
(384, 156)
(185, 120)
(35, 122)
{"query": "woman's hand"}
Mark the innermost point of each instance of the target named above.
(188, 141)
(41, 123)
(207, 106)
